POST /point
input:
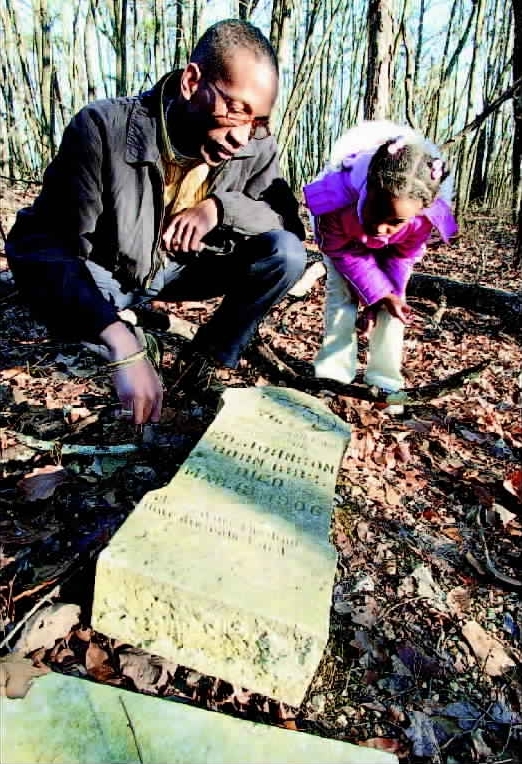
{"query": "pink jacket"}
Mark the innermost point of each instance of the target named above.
(374, 266)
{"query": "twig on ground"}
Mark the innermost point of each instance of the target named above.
(414, 396)
(46, 598)
(439, 313)
(490, 567)
(66, 449)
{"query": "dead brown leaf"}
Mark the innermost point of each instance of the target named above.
(489, 652)
(513, 483)
(46, 626)
(458, 600)
(42, 482)
(385, 744)
(16, 675)
(392, 497)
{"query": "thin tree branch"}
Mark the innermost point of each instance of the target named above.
(480, 118)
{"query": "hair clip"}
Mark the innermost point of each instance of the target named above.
(398, 144)
(437, 167)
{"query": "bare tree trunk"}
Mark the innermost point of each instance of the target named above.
(477, 189)
(380, 44)
(420, 40)
(45, 69)
(89, 42)
(121, 57)
(279, 25)
(409, 84)
(178, 31)
(467, 154)
(517, 137)
(245, 8)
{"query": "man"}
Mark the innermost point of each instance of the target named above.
(172, 195)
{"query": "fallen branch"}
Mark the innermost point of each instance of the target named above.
(414, 396)
(509, 581)
(497, 302)
(66, 449)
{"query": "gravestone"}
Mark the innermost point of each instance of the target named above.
(229, 569)
(75, 721)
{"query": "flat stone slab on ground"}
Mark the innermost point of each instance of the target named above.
(229, 568)
(65, 720)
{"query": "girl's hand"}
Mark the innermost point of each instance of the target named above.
(397, 308)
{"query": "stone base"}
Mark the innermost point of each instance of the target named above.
(74, 721)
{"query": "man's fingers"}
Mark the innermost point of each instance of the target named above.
(195, 241)
(168, 235)
(173, 235)
(156, 408)
(191, 239)
(140, 412)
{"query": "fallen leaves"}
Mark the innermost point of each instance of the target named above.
(490, 654)
(427, 588)
(458, 601)
(413, 570)
(386, 744)
(47, 626)
(42, 482)
(16, 675)
(422, 734)
(513, 483)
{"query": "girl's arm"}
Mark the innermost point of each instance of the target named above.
(410, 249)
(359, 265)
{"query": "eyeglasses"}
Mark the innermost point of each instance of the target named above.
(259, 126)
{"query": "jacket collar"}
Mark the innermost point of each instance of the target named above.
(142, 133)
(147, 125)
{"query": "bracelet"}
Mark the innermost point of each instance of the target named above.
(130, 359)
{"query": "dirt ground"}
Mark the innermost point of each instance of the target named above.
(424, 653)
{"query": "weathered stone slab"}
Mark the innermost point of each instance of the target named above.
(74, 721)
(229, 568)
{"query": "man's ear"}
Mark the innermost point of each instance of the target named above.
(190, 80)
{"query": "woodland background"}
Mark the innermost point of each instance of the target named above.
(435, 65)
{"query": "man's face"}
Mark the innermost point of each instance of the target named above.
(226, 111)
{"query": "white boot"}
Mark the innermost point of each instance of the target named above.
(385, 358)
(337, 358)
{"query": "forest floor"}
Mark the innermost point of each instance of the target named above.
(424, 653)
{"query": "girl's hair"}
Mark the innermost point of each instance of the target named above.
(403, 168)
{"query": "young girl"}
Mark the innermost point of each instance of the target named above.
(374, 207)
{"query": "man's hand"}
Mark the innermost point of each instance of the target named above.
(138, 387)
(139, 390)
(186, 229)
(397, 308)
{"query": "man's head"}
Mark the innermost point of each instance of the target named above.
(228, 90)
